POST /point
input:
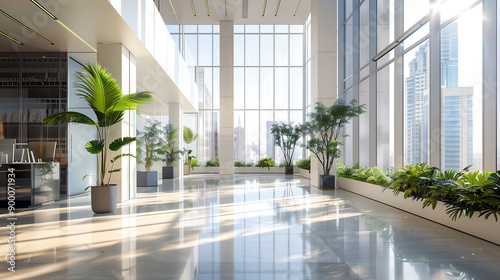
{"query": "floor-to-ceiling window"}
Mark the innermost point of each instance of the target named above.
(268, 87)
(402, 79)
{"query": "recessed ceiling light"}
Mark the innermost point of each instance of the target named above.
(10, 38)
(26, 27)
(277, 8)
(192, 7)
(43, 9)
(264, 9)
(208, 9)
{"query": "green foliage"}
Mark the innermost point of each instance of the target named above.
(188, 135)
(194, 163)
(189, 158)
(304, 163)
(286, 137)
(243, 164)
(212, 162)
(266, 162)
(324, 130)
(168, 147)
(104, 96)
(464, 193)
(148, 143)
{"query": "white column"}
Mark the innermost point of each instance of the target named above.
(175, 118)
(226, 98)
(122, 65)
(323, 62)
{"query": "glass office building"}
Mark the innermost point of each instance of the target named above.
(426, 72)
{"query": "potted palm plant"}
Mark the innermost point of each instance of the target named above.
(286, 137)
(104, 96)
(324, 130)
(188, 137)
(148, 143)
(169, 151)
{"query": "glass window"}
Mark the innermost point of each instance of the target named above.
(364, 123)
(266, 50)
(296, 50)
(296, 88)
(451, 8)
(239, 29)
(364, 34)
(266, 88)
(414, 10)
(297, 29)
(416, 105)
(204, 29)
(349, 130)
(190, 49)
(281, 88)
(252, 135)
(216, 50)
(173, 28)
(205, 50)
(281, 50)
(266, 138)
(239, 135)
(252, 88)
(239, 88)
(461, 82)
(190, 28)
(385, 23)
(348, 8)
(385, 117)
(251, 28)
(216, 88)
(251, 50)
(216, 28)
(239, 50)
(348, 48)
(281, 28)
(266, 29)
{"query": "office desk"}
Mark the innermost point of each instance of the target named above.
(34, 183)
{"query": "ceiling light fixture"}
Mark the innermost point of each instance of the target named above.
(192, 7)
(296, 9)
(10, 38)
(277, 8)
(208, 9)
(244, 9)
(264, 9)
(26, 27)
(43, 9)
(172, 5)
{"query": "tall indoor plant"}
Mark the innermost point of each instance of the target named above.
(324, 130)
(286, 137)
(104, 96)
(169, 150)
(188, 137)
(148, 143)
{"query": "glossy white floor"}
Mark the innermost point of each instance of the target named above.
(241, 227)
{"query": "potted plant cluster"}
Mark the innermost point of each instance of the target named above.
(286, 137)
(188, 137)
(148, 143)
(266, 162)
(104, 96)
(169, 151)
(324, 130)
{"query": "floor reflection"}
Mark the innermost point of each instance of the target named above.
(241, 227)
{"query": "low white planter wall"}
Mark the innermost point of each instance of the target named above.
(476, 226)
(304, 173)
(244, 170)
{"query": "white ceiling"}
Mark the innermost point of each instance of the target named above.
(222, 10)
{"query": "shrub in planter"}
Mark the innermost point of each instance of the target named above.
(266, 162)
(148, 142)
(242, 164)
(286, 138)
(188, 137)
(169, 150)
(304, 163)
(212, 163)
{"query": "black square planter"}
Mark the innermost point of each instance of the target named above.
(288, 170)
(168, 172)
(147, 178)
(327, 182)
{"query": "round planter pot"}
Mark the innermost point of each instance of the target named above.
(104, 198)
(288, 170)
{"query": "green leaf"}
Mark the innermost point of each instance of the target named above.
(120, 142)
(95, 146)
(69, 117)
(115, 170)
(120, 156)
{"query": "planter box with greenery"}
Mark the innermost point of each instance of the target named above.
(148, 143)
(104, 96)
(461, 200)
(169, 151)
(324, 130)
(304, 166)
